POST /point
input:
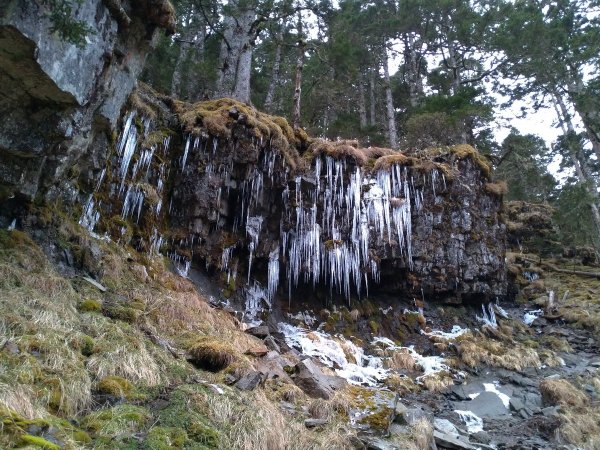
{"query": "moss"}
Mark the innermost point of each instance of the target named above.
(82, 437)
(186, 411)
(164, 438)
(463, 151)
(38, 442)
(374, 326)
(90, 305)
(87, 345)
(379, 420)
(337, 150)
(118, 420)
(220, 117)
(115, 386)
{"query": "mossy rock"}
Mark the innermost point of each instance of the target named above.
(115, 386)
(38, 442)
(90, 305)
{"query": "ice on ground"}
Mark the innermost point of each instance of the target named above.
(530, 316)
(473, 422)
(453, 334)
(429, 364)
(342, 355)
(493, 387)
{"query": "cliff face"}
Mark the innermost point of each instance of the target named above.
(221, 184)
(59, 102)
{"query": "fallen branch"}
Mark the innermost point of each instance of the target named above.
(547, 265)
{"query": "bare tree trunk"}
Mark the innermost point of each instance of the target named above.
(194, 90)
(274, 74)
(236, 55)
(413, 64)
(372, 116)
(299, 69)
(580, 164)
(389, 102)
(185, 43)
(362, 107)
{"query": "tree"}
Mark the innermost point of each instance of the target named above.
(523, 163)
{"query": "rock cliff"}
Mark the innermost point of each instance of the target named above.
(225, 186)
(59, 102)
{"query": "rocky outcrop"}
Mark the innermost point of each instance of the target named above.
(58, 101)
(277, 213)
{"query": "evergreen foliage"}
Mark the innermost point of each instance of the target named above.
(64, 24)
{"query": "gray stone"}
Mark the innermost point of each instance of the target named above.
(482, 437)
(486, 404)
(311, 379)
(451, 442)
(312, 423)
(413, 415)
(516, 404)
(376, 443)
(249, 382)
(444, 426)
(260, 332)
(458, 393)
(272, 344)
(95, 284)
(11, 347)
(550, 411)
(400, 409)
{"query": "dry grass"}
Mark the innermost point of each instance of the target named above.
(20, 399)
(477, 350)
(561, 392)
(402, 360)
(263, 426)
(338, 150)
(498, 189)
(581, 427)
(437, 382)
(212, 354)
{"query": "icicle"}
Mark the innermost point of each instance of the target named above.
(489, 316)
(273, 275)
(185, 153)
(89, 217)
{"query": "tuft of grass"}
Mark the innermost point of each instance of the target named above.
(212, 354)
(497, 189)
(478, 350)
(90, 305)
(561, 392)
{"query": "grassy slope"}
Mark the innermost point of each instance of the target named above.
(79, 369)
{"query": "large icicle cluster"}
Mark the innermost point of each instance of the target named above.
(332, 218)
(336, 221)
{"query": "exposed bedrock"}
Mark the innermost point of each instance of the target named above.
(277, 213)
(59, 102)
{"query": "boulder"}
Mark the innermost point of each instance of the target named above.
(260, 331)
(249, 382)
(311, 379)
